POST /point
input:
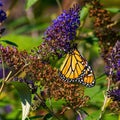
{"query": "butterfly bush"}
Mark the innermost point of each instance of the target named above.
(36, 67)
(43, 80)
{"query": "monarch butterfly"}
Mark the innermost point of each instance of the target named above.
(76, 69)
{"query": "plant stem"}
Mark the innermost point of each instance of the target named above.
(60, 7)
(2, 86)
(105, 100)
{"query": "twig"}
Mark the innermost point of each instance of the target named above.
(3, 69)
(4, 81)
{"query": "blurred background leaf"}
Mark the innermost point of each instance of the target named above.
(29, 3)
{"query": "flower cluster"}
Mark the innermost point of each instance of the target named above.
(45, 75)
(59, 35)
(72, 93)
(113, 70)
(115, 106)
(113, 63)
(104, 29)
(1, 72)
(114, 94)
(54, 87)
(12, 57)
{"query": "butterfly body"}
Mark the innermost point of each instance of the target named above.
(76, 69)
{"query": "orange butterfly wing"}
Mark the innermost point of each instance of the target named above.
(76, 69)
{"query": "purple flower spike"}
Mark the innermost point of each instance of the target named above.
(3, 15)
(113, 63)
(63, 30)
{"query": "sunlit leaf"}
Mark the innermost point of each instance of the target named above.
(111, 116)
(98, 98)
(25, 95)
(23, 40)
(96, 94)
(93, 116)
(92, 91)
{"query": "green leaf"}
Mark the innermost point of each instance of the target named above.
(113, 10)
(92, 91)
(9, 43)
(30, 3)
(110, 117)
(101, 78)
(55, 104)
(94, 116)
(25, 95)
(96, 94)
(24, 42)
(98, 98)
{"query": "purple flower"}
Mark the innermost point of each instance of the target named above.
(114, 94)
(1, 72)
(63, 30)
(81, 116)
(2, 16)
(113, 63)
(8, 109)
(78, 117)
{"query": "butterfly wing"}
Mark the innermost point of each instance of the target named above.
(76, 69)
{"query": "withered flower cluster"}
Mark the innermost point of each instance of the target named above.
(103, 25)
(72, 93)
(12, 57)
